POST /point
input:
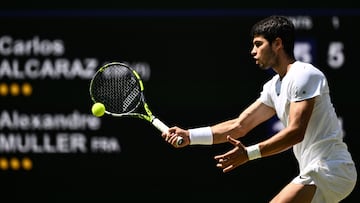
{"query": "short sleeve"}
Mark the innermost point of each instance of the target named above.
(307, 84)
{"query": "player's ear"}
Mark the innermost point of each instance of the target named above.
(277, 44)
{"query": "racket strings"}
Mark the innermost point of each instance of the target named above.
(118, 89)
(132, 93)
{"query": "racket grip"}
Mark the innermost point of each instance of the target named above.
(164, 128)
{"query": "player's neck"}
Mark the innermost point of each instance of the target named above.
(283, 68)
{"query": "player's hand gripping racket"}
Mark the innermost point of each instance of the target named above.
(121, 90)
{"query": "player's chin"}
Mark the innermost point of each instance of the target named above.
(264, 67)
(260, 65)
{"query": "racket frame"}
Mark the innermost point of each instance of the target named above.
(148, 116)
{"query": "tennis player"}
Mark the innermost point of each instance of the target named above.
(299, 96)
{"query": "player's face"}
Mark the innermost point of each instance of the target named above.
(262, 53)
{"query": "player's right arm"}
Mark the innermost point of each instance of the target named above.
(238, 127)
(251, 117)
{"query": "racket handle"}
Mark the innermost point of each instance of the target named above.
(164, 128)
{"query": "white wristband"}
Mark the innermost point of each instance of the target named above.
(253, 152)
(201, 136)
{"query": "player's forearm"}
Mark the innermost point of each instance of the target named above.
(280, 142)
(231, 127)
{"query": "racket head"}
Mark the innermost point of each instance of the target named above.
(119, 88)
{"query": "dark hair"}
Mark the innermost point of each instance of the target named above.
(276, 26)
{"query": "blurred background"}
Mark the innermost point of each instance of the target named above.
(194, 59)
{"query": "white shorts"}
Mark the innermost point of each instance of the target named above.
(334, 180)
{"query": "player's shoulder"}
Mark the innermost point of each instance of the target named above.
(299, 68)
(306, 75)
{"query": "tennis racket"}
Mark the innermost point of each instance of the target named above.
(121, 90)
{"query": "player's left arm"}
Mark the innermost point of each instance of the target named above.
(299, 116)
(300, 113)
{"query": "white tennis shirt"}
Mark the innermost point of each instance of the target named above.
(324, 135)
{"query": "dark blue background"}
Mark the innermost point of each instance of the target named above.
(201, 73)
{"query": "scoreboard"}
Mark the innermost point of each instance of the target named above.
(51, 144)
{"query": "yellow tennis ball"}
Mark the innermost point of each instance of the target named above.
(98, 109)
